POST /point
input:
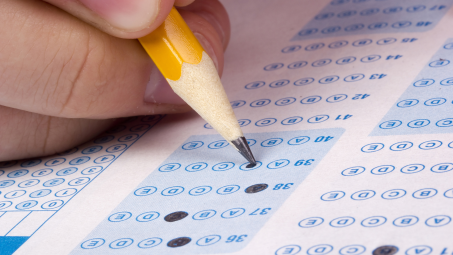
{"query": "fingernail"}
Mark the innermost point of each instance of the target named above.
(127, 15)
(208, 48)
(158, 90)
(215, 23)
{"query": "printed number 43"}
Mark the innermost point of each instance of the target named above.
(377, 76)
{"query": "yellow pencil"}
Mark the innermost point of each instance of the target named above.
(193, 76)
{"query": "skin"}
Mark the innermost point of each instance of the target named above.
(69, 70)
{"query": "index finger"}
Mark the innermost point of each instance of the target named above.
(128, 19)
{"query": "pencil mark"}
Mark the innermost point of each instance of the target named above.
(178, 242)
(172, 217)
(385, 250)
(256, 188)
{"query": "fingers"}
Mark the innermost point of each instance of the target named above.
(54, 64)
(120, 18)
(215, 14)
(182, 3)
(26, 135)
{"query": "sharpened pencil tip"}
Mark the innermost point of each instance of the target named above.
(243, 147)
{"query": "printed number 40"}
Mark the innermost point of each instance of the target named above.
(323, 139)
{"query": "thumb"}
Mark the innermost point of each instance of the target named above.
(128, 19)
(53, 64)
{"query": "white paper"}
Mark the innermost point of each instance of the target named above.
(347, 105)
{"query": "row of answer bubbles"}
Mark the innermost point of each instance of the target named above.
(309, 80)
(326, 61)
(88, 150)
(331, 30)
(389, 194)
(343, 43)
(47, 171)
(354, 249)
(200, 215)
(200, 190)
(117, 129)
(82, 159)
(404, 145)
(136, 128)
(428, 81)
(376, 221)
(156, 241)
(437, 101)
(39, 193)
(270, 142)
(32, 205)
(373, 11)
(49, 183)
(124, 138)
(224, 166)
(290, 100)
(361, 2)
(417, 123)
(288, 121)
(408, 169)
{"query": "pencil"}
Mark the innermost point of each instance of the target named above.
(193, 76)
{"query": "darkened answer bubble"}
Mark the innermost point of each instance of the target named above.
(251, 165)
(178, 242)
(385, 250)
(175, 216)
(256, 188)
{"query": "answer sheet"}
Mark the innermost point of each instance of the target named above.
(347, 106)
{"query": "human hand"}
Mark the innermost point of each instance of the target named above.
(68, 69)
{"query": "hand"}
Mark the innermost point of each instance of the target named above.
(68, 68)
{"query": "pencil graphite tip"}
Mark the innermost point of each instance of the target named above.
(243, 147)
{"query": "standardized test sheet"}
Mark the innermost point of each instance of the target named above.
(347, 106)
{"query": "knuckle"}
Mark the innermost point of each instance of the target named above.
(90, 81)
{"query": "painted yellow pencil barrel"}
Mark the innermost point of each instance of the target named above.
(192, 75)
(171, 44)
